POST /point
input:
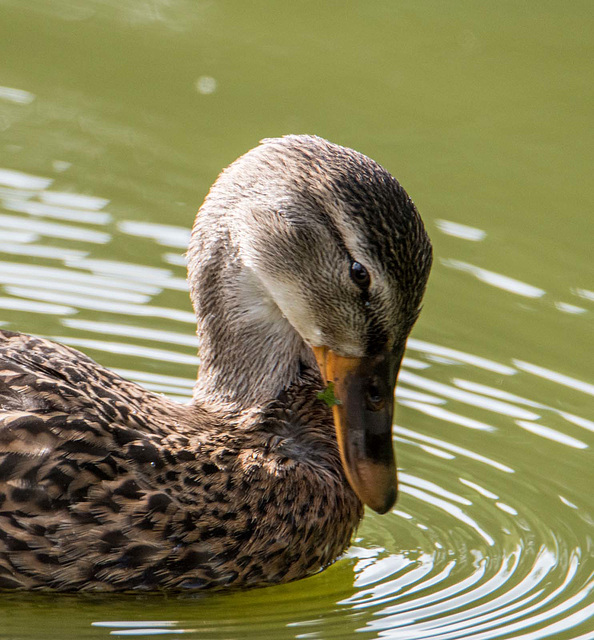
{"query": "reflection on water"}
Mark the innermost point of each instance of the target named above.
(144, 628)
(483, 559)
(497, 279)
(492, 534)
(17, 96)
(559, 378)
(460, 230)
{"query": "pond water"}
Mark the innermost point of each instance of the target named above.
(116, 116)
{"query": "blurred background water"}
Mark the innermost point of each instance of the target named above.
(115, 118)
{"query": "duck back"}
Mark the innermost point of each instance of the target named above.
(107, 486)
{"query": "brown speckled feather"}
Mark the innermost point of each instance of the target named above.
(106, 486)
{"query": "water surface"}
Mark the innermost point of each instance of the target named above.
(115, 118)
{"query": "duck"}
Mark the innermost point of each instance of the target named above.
(307, 266)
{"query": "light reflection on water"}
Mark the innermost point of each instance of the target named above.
(480, 562)
(497, 279)
(142, 628)
(487, 540)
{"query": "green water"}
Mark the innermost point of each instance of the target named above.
(116, 116)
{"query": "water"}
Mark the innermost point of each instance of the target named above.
(115, 119)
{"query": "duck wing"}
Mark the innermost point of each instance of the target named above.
(79, 451)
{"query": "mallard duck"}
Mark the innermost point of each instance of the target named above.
(307, 266)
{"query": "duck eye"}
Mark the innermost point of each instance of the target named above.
(359, 275)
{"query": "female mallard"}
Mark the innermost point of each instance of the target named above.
(305, 257)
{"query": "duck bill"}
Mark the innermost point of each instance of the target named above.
(364, 392)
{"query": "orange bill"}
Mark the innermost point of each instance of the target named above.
(364, 390)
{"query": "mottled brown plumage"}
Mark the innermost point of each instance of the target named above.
(107, 486)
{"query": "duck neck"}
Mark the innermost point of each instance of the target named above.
(249, 352)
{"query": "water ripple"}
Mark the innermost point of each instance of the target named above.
(497, 279)
(491, 536)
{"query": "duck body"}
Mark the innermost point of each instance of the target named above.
(307, 267)
(106, 486)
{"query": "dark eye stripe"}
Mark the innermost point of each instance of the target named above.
(376, 338)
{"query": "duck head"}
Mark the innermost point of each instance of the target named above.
(323, 252)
